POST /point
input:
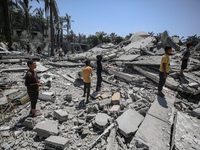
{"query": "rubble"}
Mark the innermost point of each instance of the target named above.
(125, 114)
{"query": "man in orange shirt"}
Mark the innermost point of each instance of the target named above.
(87, 73)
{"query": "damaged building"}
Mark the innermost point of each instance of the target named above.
(126, 114)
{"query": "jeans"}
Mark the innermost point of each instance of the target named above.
(161, 81)
(87, 87)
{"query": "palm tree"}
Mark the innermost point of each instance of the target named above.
(68, 20)
(52, 6)
(7, 23)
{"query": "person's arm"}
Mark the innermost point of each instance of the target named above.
(164, 70)
(182, 57)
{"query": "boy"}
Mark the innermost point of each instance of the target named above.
(32, 83)
(99, 70)
(185, 57)
(164, 69)
(87, 73)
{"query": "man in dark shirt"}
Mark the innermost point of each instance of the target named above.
(99, 70)
(32, 83)
(28, 48)
(185, 57)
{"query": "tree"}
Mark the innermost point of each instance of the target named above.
(128, 36)
(118, 39)
(7, 23)
(100, 35)
(68, 20)
(113, 36)
(52, 6)
(92, 40)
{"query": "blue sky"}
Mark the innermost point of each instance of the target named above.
(179, 17)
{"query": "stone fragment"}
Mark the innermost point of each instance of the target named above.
(46, 128)
(111, 139)
(47, 96)
(4, 128)
(29, 123)
(56, 142)
(68, 97)
(61, 115)
(5, 134)
(115, 98)
(139, 144)
(196, 112)
(102, 120)
(194, 85)
(104, 95)
(129, 122)
(114, 109)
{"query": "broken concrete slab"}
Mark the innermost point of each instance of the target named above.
(114, 109)
(56, 142)
(126, 58)
(115, 98)
(101, 120)
(21, 69)
(111, 139)
(129, 122)
(137, 36)
(61, 115)
(156, 127)
(68, 64)
(186, 132)
(170, 82)
(196, 112)
(12, 61)
(41, 68)
(46, 128)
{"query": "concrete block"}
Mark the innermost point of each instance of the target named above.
(196, 113)
(104, 95)
(56, 143)
(115, 98)
(129, 122)
(61, 115)
(194, 85)
(101, 120)
(29, 123)
(47, 96)
(46, 128)
(68, 97)
(114, 109)
(186, 132)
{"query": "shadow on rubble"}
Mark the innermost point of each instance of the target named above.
(183, 80)
(78, 82)
(162, 102)
(20, 124)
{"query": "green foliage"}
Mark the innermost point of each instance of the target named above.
(92, 40)
(118, 39)
(128, 36)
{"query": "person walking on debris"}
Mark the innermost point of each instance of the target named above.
(164, 69)
(99, 70)
(185, 57)
(28, 47)
(32, 83)
(87, 73)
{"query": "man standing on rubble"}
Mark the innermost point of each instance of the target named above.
(99, 70)
(87, 73)
(164, 69)
(28, 47)
(32, 83)
(185, 57)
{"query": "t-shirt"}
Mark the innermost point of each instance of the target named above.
(99, 67)
(31, 77)
(186, 53)
(86, 73)
(165, 59)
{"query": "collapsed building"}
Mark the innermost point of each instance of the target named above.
(125, 114)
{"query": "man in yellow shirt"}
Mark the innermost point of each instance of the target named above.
(164, 69)
(87, 73)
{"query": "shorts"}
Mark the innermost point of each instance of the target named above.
(184, 63)
(33, 95)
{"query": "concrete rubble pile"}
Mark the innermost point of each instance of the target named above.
(125, 114)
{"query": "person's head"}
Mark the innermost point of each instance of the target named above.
(99, 57)
(189, 45)
(87, 63)
(168, 49)
(31, 64)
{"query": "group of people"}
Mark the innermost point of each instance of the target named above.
(33, 84)
(165, 66)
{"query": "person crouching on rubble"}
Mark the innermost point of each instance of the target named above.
(87, 73)
(99, 70)
(185, 57)
(164, 69)
(32, 83)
